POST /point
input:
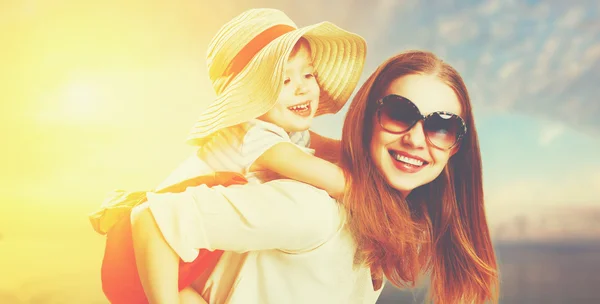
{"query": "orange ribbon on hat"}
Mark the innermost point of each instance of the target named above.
(261, 40)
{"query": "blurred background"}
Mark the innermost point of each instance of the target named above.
(99, 95)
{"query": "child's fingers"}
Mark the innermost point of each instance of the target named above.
(229, 178)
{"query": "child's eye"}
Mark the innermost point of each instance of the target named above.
(286, 81)
(310, 75)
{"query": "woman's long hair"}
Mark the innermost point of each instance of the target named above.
(441, 227)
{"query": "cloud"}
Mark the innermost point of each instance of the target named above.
(457, 30)
(572, 18)
(502, 30)
(489, 7)
(486, 58)
(350, 16)
(550, 133)
(528, 58)
(538, 58)
(544, 58)
(509, 68)
(592, 54)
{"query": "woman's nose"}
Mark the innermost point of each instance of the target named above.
(415, 137)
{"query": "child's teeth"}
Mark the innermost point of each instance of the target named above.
(300, 107)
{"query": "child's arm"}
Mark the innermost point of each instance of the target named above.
(288, 160)
(326, 148)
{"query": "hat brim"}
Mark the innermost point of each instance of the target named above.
(338, 58)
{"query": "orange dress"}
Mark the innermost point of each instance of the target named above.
(120, 279)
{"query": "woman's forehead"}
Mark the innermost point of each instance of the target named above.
(428, 92)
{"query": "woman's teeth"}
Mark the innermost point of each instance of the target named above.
(408, 160)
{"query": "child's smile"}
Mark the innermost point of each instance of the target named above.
(299, 97)
(303, 109)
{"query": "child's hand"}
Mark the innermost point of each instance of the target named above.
(217, 178)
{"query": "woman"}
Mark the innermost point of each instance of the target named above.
(413, 204)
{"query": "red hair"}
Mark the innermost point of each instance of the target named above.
(441, 227)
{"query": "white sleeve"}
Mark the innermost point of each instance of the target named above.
(280, 214)
(258, 139)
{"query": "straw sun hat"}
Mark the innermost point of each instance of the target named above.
(246, 61)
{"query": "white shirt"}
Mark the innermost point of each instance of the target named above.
(285, 242)
(235, 149)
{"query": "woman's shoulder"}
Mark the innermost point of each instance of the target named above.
(315, 214)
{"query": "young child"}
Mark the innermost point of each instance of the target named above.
(271, 80)
(276, 143)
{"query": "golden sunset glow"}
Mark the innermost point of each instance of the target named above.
(100, 95)
(97, 96)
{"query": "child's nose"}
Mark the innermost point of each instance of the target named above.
(301, 88)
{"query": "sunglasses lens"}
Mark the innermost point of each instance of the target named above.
(443, 130)
(397, 114)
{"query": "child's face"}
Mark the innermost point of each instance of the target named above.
(299, 97)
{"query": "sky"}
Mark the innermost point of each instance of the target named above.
(100, 95)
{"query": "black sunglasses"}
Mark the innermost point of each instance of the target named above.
(397, 114)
